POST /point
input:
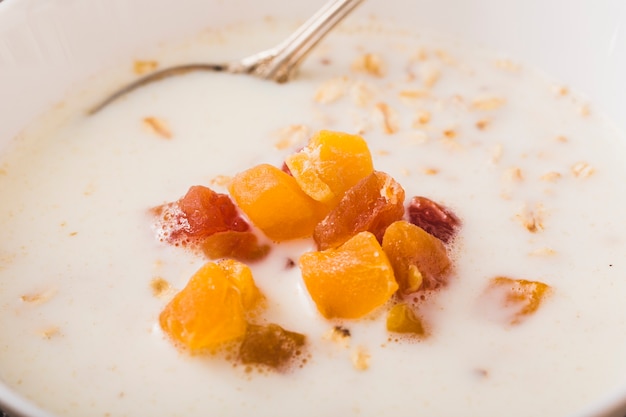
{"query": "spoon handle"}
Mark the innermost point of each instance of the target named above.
(288, 55)
(277, 64)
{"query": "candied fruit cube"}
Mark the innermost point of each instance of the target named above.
(240, 275)
(243, 246)
(402, 319)
(516, 299)
(330, 164)
(272, 346)
(371, 205)
(419, 260)
(436, 219)
(206, 313)
(199, 214)
(274, 202)
(351, 280)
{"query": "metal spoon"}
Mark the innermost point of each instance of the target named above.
(277, 64)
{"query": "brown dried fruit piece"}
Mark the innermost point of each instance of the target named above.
(420, 261)
(436, 219)
(351, 280)
(274, 202)
(402, 319)
(371, 205)
(330, 164)
(212, 308)
(199, 214)
(272, 346)
(243, 246)
(516, 299)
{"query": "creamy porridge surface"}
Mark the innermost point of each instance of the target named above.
(532, 169)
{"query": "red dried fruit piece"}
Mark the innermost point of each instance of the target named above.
(420, 261)
(199, 214)
(436, 219)
(371, 205)
(243, 246)
(208, 212)
(272, 346)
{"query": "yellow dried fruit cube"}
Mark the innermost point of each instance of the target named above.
(401, 319)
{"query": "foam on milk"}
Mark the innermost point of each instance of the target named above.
(77, 254)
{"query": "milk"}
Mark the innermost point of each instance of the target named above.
(492, 139)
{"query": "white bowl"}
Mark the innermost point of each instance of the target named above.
(49, 46)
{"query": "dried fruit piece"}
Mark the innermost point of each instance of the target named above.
(419, 260)
(402, 319)
(199, 214)
(272, 346)
(240, 276)
(243, 246)
(371, 205)
(330, 164)
(351, 280)
(436, 219)
(206, 313)
(275, 203)
(516, 298)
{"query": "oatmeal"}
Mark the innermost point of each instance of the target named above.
(522, 181)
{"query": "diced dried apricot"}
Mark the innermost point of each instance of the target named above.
(330, 164)
(436, 219)
(200, 213)
(274, 202)
(402, 319)
(243, 246)
(272, 346)
(213, 307)
(371, 205)
(516, 298)
(207, 312)
(351, 280)
(419, 260)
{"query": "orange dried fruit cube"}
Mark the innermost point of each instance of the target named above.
(330, 164)
(212, 309)
(402, 319)
(516, 299)
(274, 202)
(243, 246)
(419, 260)
(371, 205)
(351, 280)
